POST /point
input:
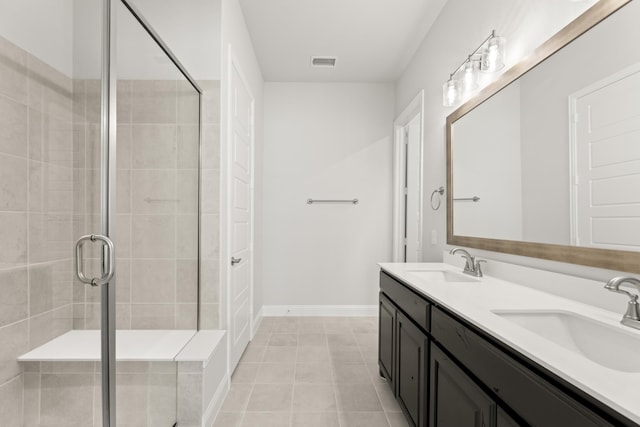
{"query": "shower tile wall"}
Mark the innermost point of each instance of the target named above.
(156, 232)
(210, 207)
(36, 199)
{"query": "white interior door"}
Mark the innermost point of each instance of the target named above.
(607, 163)
(241, 147)
(413, 213)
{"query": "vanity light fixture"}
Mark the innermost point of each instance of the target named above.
(488, 57)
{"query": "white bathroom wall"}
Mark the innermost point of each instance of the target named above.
(525, 24)
(326, 141)
(191, 29)
(43, 28)
(236, 39)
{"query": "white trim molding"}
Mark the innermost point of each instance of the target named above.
(257, 321)
(320, 310)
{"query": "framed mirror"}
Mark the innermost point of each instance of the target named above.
(545, 162)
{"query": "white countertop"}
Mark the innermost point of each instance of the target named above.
(474, 302)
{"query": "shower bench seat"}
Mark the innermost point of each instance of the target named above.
(193, 363)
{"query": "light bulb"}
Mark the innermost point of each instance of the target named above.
(493, 55)
(469, 77)
(450, 92)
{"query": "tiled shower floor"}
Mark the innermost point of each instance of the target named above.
(311, 372)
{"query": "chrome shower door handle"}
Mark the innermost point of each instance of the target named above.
(108, 262)
(235, 261)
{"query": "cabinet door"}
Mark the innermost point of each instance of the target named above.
(412, 371)
(504, 420)
(387, 340)
(456, 401)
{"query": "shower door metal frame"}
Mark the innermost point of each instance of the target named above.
(108, 189)
(108, 210)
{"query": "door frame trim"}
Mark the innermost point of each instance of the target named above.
(415, 107)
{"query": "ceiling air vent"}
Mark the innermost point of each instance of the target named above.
(323, 61)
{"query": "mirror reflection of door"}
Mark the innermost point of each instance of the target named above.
(606, 158)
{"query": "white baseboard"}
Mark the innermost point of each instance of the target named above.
(257, 321)
(320, 310)
(216, 403)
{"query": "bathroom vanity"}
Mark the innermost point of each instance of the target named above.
(463, 351)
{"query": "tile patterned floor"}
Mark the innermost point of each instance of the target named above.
(311, 372)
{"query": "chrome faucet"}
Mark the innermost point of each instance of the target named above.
(632, 316)
(472, 266)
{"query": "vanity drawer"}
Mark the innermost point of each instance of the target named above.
(535, 399)
(416, 307)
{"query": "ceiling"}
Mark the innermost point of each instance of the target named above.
(373, 40)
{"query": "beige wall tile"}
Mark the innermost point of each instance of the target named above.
(187, 192)
(188, 146)
(154, 146)
(123, 148)
(210, 236)
(14, 291)
(209, 316)
(13, 183)
(132, 399)
(11, 402)
(153, 236)
(153, 316)
(13, 235)
(211, 146)
(67, 399)
(13, 127)
(186, 316)
(189, 398)
(153, 101)
(187, 281)
(14, 339)
(162, 399)
(153, 281)
(210, 191)
(154, 191)
(31, 410)
(40, 288)
(187, 237)
(210, 281)
(123, 191)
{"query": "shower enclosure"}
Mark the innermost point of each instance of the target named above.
(99, 214)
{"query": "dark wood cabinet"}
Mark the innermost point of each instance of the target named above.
(455, 399)
(412, 371)
(387, 339)
(504, 420)
(445, 372)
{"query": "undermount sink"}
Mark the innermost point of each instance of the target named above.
(443, 276)
(607, 345)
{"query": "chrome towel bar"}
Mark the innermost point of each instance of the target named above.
(312, 201)
(474, 199)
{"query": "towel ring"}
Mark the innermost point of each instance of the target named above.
(440, 191)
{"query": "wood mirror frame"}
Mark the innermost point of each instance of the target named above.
(627, 261)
